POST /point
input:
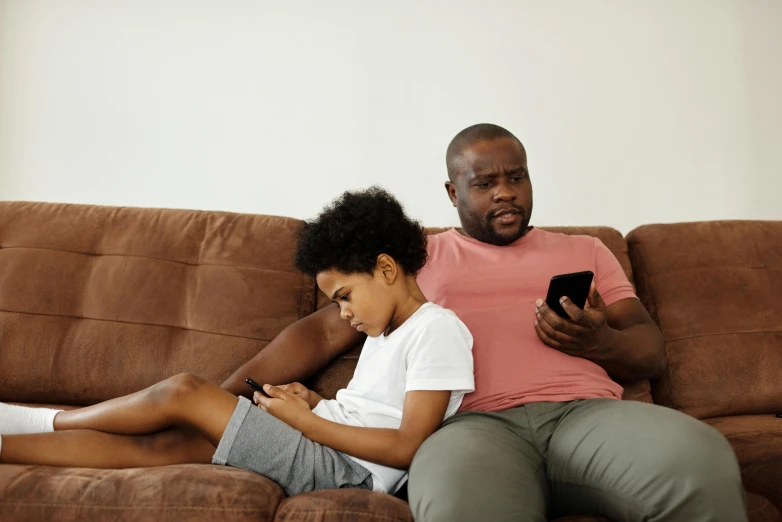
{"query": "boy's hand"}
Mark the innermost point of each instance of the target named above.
(286, 406)
(300, 391)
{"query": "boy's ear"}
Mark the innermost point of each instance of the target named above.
(387, 268)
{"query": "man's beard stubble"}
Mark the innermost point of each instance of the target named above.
(482, 229)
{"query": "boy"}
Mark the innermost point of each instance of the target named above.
(413, 371)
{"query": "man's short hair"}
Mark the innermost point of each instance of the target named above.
(468, 137)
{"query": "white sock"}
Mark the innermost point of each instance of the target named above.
(15, 420)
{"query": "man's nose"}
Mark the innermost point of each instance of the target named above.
(504, 192)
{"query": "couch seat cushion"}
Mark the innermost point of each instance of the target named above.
(171, 493)
(757, 440)
(760, 509)
(344, 505)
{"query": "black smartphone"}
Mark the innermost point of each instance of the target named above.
(255, 386)
(575, 286)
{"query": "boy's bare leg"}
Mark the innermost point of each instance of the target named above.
(182, 400)
(95, 449)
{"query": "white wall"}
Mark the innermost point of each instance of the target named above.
(632, 111)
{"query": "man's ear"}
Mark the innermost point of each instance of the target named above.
(450, 188)
(387, 268)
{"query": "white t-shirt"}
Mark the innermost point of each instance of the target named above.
(432, 350)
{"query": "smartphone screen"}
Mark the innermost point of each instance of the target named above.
(575, 286)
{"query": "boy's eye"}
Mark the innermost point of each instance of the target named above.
(344, 297)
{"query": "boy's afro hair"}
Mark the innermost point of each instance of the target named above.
(353, 230)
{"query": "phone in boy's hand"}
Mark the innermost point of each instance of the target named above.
(575, 286)
(255, 386)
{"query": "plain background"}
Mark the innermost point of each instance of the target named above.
(632, 111)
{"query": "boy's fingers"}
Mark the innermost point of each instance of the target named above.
(263, 402)
(275, 391)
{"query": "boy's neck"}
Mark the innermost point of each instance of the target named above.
(411, 299)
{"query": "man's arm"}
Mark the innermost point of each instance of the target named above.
(301, 350)
(635, 351)
(622, 338)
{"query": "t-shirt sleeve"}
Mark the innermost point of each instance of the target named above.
(441, 358)
(610, 279)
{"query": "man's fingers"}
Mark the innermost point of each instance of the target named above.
(548, 341)
(560, 337)
(594, 299)
(546, 314)
(576, 314)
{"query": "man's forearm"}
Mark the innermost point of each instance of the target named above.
(634, 354)
(300, 351)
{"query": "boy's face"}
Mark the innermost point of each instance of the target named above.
(365, 300)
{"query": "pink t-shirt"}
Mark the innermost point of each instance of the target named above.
(493, 291)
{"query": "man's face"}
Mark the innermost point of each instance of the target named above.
(492, 191)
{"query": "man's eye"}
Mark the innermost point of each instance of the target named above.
(483, 185)
(517, 178)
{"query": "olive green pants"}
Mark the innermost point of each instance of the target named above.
(624, 460)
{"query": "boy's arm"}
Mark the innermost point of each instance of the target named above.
(422, 414)
(299, 351)
(314, 399)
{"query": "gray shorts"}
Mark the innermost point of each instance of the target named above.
(258, 441)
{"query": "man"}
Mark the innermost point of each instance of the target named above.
(544, 433)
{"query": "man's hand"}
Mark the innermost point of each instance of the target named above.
(286, 406)
(586, 334)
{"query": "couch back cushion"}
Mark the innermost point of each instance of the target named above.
(339, 373)
(715, 289)
(97, 302)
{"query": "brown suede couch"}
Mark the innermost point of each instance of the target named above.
(97, 302)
